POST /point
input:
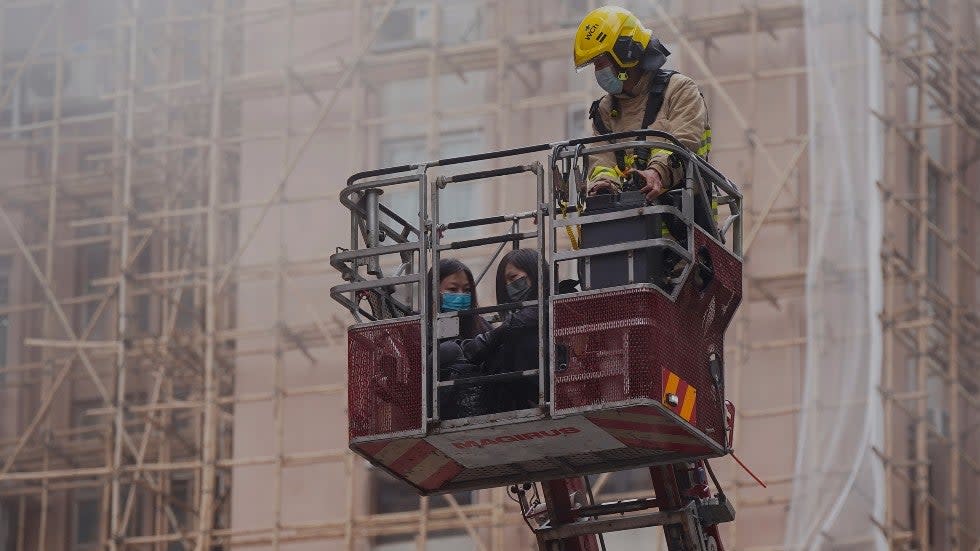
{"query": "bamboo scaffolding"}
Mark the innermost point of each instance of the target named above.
(145, 132)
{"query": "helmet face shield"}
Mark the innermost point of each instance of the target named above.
(585, 64)
(602, 60)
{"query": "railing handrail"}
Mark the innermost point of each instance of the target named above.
(449, 161)
(555, 147)
(560, 151)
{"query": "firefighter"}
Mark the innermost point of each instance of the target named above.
(640, 94)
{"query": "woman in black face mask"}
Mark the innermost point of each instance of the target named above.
(513, 346)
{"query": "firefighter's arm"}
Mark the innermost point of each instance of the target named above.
(601, 167)
(686, 117)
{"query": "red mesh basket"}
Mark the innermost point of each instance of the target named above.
(610, 346)
(385, 378)
(621, 344)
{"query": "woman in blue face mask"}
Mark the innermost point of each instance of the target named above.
(457, 291)
(513, 346)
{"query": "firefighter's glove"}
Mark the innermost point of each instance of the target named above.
(654, 183)
(604, 179)
(602, 186)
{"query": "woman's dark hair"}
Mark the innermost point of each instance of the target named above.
(525, 260)
(469, 325)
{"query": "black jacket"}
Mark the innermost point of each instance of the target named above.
(513, 346)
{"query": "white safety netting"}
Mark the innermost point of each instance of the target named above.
(838, 495)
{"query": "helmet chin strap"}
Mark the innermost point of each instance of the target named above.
(624, 76)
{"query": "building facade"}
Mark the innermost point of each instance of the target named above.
(172, 369)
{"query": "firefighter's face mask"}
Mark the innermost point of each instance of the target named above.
(609, 76)
(609, 80)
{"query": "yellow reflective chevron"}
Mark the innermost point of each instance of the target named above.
(600, 171)
(705, 147)
(629, 160)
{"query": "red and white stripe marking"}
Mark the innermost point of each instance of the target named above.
(414, 460)
(645, 427)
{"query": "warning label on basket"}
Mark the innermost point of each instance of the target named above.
(528, 441)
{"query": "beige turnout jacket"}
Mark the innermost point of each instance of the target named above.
(682, 114)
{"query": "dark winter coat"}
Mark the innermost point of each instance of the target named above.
(511, 347)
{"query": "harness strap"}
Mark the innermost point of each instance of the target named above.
(655, 100)
(574, 234)
(600, 126)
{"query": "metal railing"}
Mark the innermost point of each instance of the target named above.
(378, 232)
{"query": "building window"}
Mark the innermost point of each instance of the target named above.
(141, 306)
(38, 162)
(933, 215)
(5, 264)
(86, 509)
(436, 541)
(389, 495)
(457, 201)
(403, 199)
(94, 266)
(410, 24)
(191, 51)
(180, 418)
(938, 416)
(645, 10)
(626, 482)
(7, 526)
(95, 160)
(90, 426)
(460, 201)
(571, 12)
(462, 21)
(186, 312)
(933, 211)
(180, 502)
(575, 124)
(184, 309)
(135, 526)
(639, 538)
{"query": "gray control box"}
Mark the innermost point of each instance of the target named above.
(611, 270)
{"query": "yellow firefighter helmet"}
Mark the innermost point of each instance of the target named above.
(611, 30)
